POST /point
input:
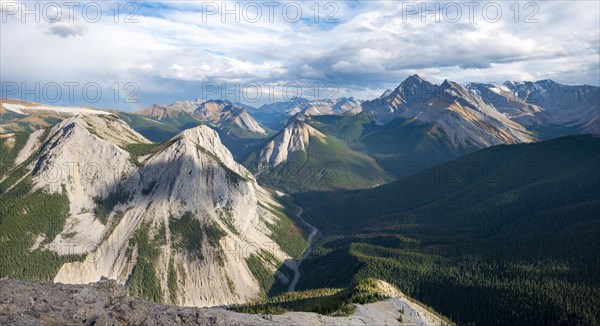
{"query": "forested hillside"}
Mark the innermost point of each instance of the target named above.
(506, 235)
(402, 146)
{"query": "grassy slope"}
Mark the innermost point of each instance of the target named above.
(506, 235)
(143, 281)
(287, 232)
(401, 146)
(14, 122)
(326, 165)
(9, 116)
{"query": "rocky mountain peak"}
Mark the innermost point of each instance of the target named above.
(175, 109)
(465, 117)
(563, 105)
(452, 91)
(296, 136)
(415, 79)
(413, 89)
(449, 84)
(192, 179)
(171, 228)
(207, 140)
(240, 118)
(345, 104)
(386, 93)
(235, 110)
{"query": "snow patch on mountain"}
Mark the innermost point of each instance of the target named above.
(27, 109)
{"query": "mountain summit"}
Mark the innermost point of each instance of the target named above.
(176, 222)
(464, 116)
(296, 136)
(301, 158)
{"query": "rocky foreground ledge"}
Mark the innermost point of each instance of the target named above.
(107, 303)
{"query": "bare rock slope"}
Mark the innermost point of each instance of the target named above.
(464, 116)
(296, 136)
(176, 224)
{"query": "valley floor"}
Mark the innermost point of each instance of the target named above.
(309, 247)
(106, 303)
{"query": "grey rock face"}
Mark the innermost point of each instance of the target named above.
(102, 303)
(545, 102)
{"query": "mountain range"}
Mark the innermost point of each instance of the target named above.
(466, 118)
(545, 104)
(458, 195)
(275, 115)
(406, 129)
(420, 124)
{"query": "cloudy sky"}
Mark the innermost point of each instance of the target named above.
(167, 51)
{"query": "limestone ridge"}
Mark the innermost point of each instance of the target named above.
(296, 136)
(128, 213)
(83, 155)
